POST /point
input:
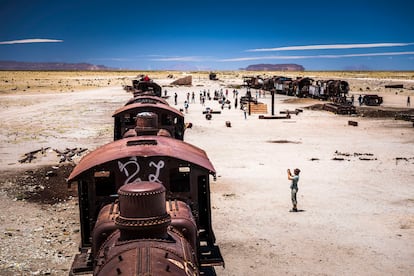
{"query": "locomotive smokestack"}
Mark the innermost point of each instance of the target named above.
(146, 123)
(142, 211)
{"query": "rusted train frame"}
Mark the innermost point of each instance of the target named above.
(168, 118)
(182, 168)
(146, 99)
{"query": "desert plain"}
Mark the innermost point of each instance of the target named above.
(356, 188)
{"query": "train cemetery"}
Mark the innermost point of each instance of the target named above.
(351, 164)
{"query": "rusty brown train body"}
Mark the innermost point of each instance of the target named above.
(301, 87)
(144, 204)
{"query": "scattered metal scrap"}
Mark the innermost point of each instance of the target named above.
(406, 159)
(405, 117)
(339, 108)
(65, 155)
(372, 100)
(68, 153)
(361, 156)
(296, 111)
(394, 86)
(287, 116)
(28, 157)
(352, 123)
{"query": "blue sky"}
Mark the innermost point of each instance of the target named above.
(210, 35)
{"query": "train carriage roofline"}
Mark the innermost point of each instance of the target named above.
(146, 97)
(146, 107)
(143, 146)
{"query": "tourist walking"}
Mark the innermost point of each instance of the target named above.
(360, 100)
(186, 106)
(408, 101)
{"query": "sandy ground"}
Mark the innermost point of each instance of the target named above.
(357, 215)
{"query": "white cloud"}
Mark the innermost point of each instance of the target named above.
(331, 46)
(317, 56)
(31, 40)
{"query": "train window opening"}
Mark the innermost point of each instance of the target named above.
(166, 120)
(180, 180)
(141, 142)
(184, 169)
(104, 183)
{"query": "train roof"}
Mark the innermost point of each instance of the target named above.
(146, 107)
(147, 146)
(140, 99)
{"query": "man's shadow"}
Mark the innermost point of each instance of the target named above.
(297, 211)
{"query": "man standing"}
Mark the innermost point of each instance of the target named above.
(294, 187)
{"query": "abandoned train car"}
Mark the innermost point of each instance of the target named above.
(183, 170)
(144, 199)
(147, 118)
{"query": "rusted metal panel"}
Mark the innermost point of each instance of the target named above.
(147, 86)
(169, 118)
(149, 107)
(143, 146)
(146, 99)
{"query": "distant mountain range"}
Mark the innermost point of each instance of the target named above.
(58, 66)
(275, 67)
(63, 66)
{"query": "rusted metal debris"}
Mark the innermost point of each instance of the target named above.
(287, 116)
(352, 123)
(405, 117)
(340, 156)
(372, 100)
(296, 112)
(213, 76)
(394, 86)
(339, 108)
(67, 154)
(28, 157)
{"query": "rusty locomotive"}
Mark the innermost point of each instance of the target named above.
(144, 199)
(334, 90)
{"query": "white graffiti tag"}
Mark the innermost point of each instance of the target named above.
(159, 166)
(131, 163)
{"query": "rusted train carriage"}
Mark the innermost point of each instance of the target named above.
(147, 118)
(253, 82)
(144, 86)
(300, 87)
(336, 89)
(283, 85)
(122, 225)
